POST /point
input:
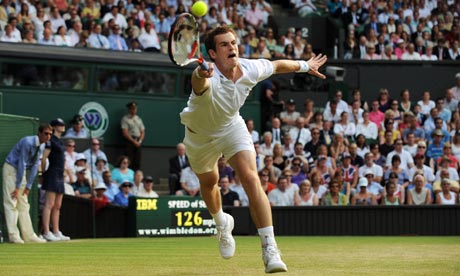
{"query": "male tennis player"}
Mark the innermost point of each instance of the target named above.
(214, 127)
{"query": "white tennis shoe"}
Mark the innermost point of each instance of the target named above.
(225, 238)
(272, 260)
(50, 237)
(61, 237)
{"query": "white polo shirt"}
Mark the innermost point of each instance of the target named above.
(218, 107)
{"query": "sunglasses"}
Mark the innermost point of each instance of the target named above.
(295, 164)
(94, 144)
(71, 146)
(264, 175)
(421, 147)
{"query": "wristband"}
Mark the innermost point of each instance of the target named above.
(198, 75)
(304, 67)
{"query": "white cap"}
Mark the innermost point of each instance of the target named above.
(362, 182)
(79, 169)
(100, 185)
(368, 171)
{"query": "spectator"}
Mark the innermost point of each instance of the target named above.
(74, 33)
(446, 196)
(356, 160)
(176, 164)
(81, 186)
(363, 197)
(8, 35)
(229, 197)
(117, 42)
(56, 20)
(137, 184)
(224, 169)
(149, 39)
(375, 115)
(334, 197)
(147, 190)
(441, 51)
(379, 158)
(133, 130)
(338, 146)
(77, 130)
(53, 182)
(411, 54)
(434, 150)
(189, 183)
(94, 153)
(254, 134)
(390, 198)
(254, 16)
(266, 148)
(290, 115)
(419, 195)
(305, 197)
(281, 196)
(299, 132)
(367, 128)
(100, 199)
(70, 154)
(112, 188)
(345, 127)
(444, 164)
(264, 176)
(355, 112)
(370, 52)
(428, 55)
(98, 170)
(47, 38)
(119, 19)
(122, 171)
(237, 187)
(444, 173)
(369, 165)
(373, 185)
(279, 159)
(162, 27)
(122, 198)
(261, 51)
(24, 156)
(297, 174)
(420, 166)
(276, 132)
(96, 39)
(405, 157)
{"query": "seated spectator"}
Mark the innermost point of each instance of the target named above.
(316, 186)
(356, 160)
(297, 174)
(266, 148)
(444, 164)
(289, 116)
(224, 169)
(97, 39)
(122, 198)
(410, 145)
(446, 196)
(447, 153)
(361, 145)
(95, 153)
(77, 130)
(100, 200)
(264, 176)
(363, 197)
(369, 164)
(122, 171)
(190, 183)
(274, 171)
(345, 186)
(99, 170)
(304, 156)
(326, 172)
(334, 197)
(70, 155)
(345, 127)
(305, 197)
(281, 196)
(117, 42)
(419, 195)
(8, 35)
(428, 55)
(46, 38)
(149, 39)
(379, 158)
(138, 185)
(411, 54)
(279, 159)
(61, 38)
(304, 7)
(81, 186)
(112, 188)
(420, 166)
(81, 162)
(370, 52)
(373, 187)
(176, 164)
(147, 190)
(405, 158)
(254, 133)
(229, 197)
(338, 147)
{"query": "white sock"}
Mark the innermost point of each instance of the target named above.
(267, 236)
(219, 218)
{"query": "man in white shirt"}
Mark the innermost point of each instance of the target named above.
(406, 159)
(341, 104)
(119, 19)
(147, 191)
(299, 133)
(189, 183)
(290, 115)
(149, 39)
(281, 196)
(420, 166)
(369, 165)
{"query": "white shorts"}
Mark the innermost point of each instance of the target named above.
(203, 151)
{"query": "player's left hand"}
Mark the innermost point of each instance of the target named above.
(315, 63)
(26, 192)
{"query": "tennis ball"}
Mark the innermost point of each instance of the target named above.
(199, 8)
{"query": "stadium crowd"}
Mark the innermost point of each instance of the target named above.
(385, 29)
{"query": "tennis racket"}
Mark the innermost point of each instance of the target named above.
(184, 42)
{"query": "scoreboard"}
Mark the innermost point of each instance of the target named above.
(169, 216)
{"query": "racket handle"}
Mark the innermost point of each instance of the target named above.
(204, 65)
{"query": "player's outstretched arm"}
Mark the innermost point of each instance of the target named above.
(200, 79)
(301, 66)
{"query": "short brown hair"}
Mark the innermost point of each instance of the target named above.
(210, 39)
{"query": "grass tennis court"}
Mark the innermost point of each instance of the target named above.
(199, 256)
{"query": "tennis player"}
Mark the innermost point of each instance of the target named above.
(214, 127)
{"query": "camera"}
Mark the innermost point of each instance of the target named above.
(338, 73)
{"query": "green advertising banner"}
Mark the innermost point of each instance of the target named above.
(170, 216)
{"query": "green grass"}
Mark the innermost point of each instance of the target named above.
(199, 256)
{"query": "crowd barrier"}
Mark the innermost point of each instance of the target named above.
(77, 220)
